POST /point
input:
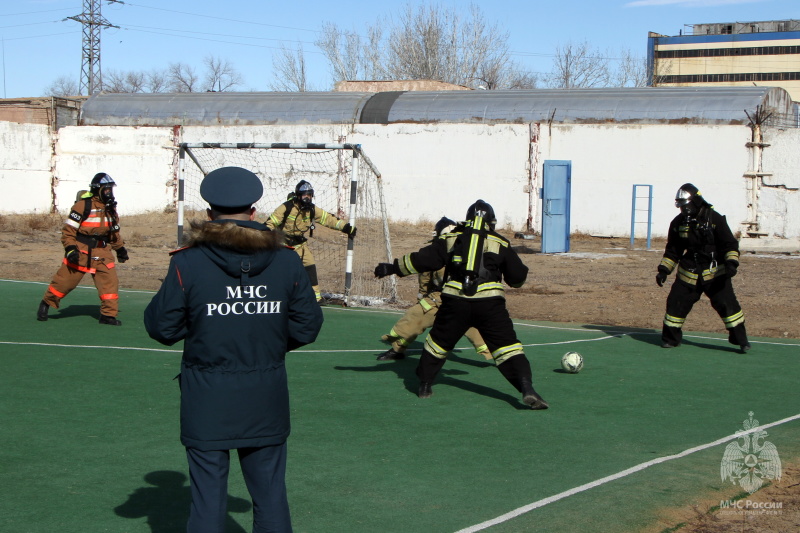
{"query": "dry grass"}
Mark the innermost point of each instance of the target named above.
(32, 223)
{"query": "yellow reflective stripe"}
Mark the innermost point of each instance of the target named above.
(490, 286)
(434, 349)
(688, 277)
(473, 251)
(492, 245)
(673, 321)
(425, 304)
(497, 240)
(503, 354)
(667, 262)
(733, 254)
(406, 268)
(734, 320)
(485, 290)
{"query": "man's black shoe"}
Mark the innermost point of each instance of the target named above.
(41, 314)
(669, 345)
(391, 355)
(425, 390)
(109, 320)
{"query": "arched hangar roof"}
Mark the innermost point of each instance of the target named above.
(684, 105)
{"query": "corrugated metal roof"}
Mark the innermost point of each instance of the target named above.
(167, 109)
(701, 105)
(646, 105)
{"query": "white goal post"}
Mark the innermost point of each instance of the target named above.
(346, 184)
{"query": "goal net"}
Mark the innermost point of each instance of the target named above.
(346, 184)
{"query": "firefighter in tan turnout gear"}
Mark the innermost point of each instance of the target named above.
(89, 235)
(297, 217)
(420, 316)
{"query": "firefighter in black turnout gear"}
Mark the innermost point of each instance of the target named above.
(477, 260)
(702, 247)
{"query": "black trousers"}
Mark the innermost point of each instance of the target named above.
(490, 317)
(264, 471)
(683, 296)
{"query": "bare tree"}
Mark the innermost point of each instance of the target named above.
(182, 78)
(373, 62)
(290, 70)
(577, 66)
(63, 86)
(344, 51)
(522, 80)
(221, 75)
(115, 81)
(156, 81)
(426, 42)
(631, 72)
(500, 73)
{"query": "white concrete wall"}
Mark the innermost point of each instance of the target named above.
(138, 159)
(428, 171)
(433, 170)
(607, 160)
(779, 198)
(25, 167)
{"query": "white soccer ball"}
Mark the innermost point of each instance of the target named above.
(572, 362)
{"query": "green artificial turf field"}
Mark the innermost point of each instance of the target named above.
(89, 439)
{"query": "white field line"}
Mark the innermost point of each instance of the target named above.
(610, 333)
(52, 345)
(619, 475)
(92, 287)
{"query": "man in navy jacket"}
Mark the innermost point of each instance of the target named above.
(240, 300)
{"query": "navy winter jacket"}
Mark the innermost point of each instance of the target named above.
(240, 300)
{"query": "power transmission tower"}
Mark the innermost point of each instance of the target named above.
(91, 73)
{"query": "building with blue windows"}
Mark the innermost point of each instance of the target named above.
(728, 54)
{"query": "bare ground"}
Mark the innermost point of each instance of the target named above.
(601, 281)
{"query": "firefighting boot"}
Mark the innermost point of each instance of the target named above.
(427, 369)
(109, 320)
(41, 313)
(391, 355)
(530, 397)
(425, 389)
(738, 335)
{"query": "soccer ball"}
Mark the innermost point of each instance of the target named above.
(572, 362)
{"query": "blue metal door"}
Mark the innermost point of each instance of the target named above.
(557, 180)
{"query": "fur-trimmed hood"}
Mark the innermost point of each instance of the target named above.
(236, 246)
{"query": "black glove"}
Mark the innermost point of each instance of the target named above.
(385, 269)
(350, 230)
(661, 277)
(72, 254)
(122, 255)
(731, 267)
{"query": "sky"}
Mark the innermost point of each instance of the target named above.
(40, 43)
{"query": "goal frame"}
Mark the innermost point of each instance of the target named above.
(358, 157)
